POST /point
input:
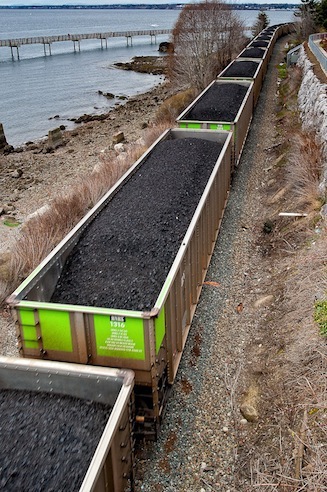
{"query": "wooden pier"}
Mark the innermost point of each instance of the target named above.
(76, 39)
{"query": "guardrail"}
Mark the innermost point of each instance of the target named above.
(319, 52)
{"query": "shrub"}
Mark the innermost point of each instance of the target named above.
(174, 105)
(282, 71)
(305, 170)
(320, 316)
(323, 44)
(261, 23)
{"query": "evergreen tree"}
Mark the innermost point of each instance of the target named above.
(261, 23)
(321, 14)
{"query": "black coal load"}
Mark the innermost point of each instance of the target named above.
(259, 44)
(124, 256)
(221, 102)
(253, 53)
(241, 69)
(264, 37)
(47, 440)
(272, 28)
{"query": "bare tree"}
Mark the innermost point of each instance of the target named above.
(206, 37)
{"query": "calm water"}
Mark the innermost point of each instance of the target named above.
(36, 88)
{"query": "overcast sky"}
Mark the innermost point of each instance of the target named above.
(104, 2)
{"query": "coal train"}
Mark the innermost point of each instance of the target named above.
(121, 289)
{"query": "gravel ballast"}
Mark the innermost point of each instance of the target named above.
(241, 69)
(47, 440)
(124, 256)
(221, 102)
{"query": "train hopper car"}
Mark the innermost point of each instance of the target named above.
(245, 69)
(263, 43)
(259, 52)
(65, 426)
(141, 256)
(223, 105)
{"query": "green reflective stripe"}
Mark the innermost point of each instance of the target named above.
(31, 345)
(160, 328)
(55, 330)
(29, 334)
(199, 125)
(189, 124)
(194, 125)
(119, 336)
(27, 317)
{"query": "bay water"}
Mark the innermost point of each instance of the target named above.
(38, 87)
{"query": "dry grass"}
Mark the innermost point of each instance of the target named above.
(296, 384)
(173, 107)
(5, 288)
(300, 170)
(287, 451)
(154, 132)
(304, 171)
(289, 81)
(298, 414)
(269, 476)
(306, 361)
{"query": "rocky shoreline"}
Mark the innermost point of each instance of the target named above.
(155, 65)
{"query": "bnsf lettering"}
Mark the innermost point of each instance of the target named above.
(120, 319)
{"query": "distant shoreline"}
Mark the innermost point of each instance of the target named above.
(167, 6)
